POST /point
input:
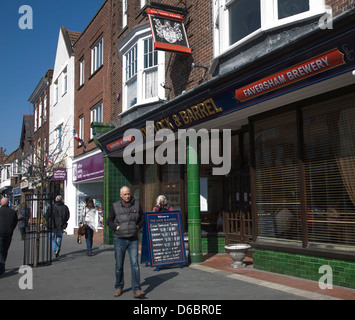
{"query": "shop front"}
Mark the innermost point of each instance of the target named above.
(285, 186)
(88, 172)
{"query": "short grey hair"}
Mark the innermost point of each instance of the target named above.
(162, 198)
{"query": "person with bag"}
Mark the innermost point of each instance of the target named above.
(90, 221)
(57, 217)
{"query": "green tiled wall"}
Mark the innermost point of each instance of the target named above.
(213, 244)
(116, 175)
(304, 266)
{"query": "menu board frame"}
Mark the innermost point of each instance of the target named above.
(149, 250)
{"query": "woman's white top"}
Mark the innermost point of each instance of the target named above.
(92, 218)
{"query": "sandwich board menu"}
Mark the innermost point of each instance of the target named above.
(163, 239)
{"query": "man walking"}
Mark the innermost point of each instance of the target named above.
(125, 219)
(8, 222)
(57, 217)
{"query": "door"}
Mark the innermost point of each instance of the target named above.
(237, 215)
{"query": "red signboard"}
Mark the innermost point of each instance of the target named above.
(168, 31)
(120, 143)
(311, 67)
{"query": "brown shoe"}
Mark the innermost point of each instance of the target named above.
(139, 294)
(118, 292)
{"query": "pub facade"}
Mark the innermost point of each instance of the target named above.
(282, 98)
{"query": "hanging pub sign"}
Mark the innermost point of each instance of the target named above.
(168, 31)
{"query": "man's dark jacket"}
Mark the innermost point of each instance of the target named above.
(8, 221)
(130, 218)
(57, 216)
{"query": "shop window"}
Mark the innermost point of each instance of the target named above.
(329, 136)
(95, 191)
(151, 186)
(171, 185)
(277, 180)
(328, 167)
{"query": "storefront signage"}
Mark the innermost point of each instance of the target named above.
(59, 174)
(163, 240)
(120, 143)
(291, 75)
(185, 117)
(88, 168)
(168, 31)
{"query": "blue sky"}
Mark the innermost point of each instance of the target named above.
(26, 55)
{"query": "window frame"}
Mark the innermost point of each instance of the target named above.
(81, 72)
(97, 52)
(269, 21)
(94, 115)
(136, 37)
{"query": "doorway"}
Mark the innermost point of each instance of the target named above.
(237, 214)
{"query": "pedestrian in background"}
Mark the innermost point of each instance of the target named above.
(8, 222)
(23, 215)
(162, 204)
(91, 220)
(57, 217)
(125, 219)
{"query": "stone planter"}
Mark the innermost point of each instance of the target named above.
(238, 252)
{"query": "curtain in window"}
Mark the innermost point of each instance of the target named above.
(151, 83)
(132, 92)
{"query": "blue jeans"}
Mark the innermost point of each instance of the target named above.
(89, 235)
(121, 246)
(56, 236)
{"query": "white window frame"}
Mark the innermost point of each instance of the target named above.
(56, 92)
(96, 115)
(136, 37)
(124, 13)
(65, 81)
(97, 52)
(269, 21)
(45, 109)
(59, 138)
(82, 72)
(40, 114)
(81, 127)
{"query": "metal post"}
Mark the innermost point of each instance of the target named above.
(193, 205)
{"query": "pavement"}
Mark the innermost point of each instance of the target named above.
(76, 276)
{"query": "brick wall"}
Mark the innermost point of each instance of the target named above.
(340, 6)
(97, 86)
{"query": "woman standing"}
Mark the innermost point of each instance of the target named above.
(162, 204)
(91, 220)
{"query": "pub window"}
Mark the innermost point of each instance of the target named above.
(329, 137)
(277, 182)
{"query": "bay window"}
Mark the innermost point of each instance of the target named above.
(143, 69)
